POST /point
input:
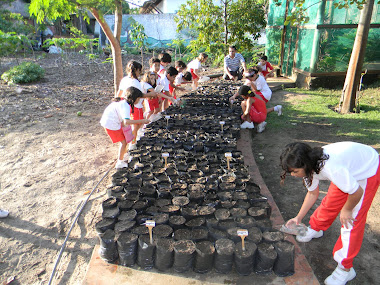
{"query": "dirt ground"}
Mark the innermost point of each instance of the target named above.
(50, 157)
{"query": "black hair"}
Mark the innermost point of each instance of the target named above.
(301, 155)
(264, 57)
(165, 57)
(246, 91)
(234, 47)
(171, 71)
(180, 63)
(132, 67)
(187, 76)
(131, 94)
(153, 60)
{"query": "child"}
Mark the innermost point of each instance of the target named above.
(266, 67)
(154, 64)
(354, 172)
(182, 77)
(195, 67)
(261, 88)
(254, 109)
(165, 60)
(166, 81)
(152, 104)
(133, 71)
(117, 115)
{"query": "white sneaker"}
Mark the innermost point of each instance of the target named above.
(261, 127)
(121, 164)
(247, 125)
(340, 277)
(132, 146)
(309, 235)
(279, 110)
(4, 213)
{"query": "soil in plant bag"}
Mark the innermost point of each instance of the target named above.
(244, 259)
(273, 236)
(204, 256)
(199, 234)
(177, 222)
(164, 254)
(145, 252)
(284, 265)
(127, 215)
(182, 234)
(254, 235)
(105, 224)
(183, 255)
(109, 203)
(108, 249)
(127, 248)
(162, 231)
(161, 218)
(224, 255)
(266, 256)
(123, 226)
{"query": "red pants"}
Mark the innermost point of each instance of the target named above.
(258, 112)
(350, 240)
(261, 95)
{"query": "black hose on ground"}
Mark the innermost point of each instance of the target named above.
(75, 220)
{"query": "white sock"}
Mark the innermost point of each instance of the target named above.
(275, 108)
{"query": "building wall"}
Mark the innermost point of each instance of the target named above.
(160, 29)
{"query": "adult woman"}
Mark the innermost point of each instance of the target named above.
(354, 172)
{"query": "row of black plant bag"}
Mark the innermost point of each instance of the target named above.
(197, 203)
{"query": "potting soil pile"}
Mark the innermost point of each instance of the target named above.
(197, 200)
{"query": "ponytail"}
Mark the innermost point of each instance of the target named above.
(132, 67)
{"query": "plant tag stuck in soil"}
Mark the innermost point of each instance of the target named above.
(228, 155)
(242, 234)
(167, 117)
(150, 224)
(165, 154)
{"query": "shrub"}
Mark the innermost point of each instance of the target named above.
(24, 73)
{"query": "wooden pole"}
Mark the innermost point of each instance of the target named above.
(357, 58)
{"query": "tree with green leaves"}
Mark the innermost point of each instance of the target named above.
(54, 9)
(138, 37)
(215, 27)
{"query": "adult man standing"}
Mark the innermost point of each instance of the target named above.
(234, 65)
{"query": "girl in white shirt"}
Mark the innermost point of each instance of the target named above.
(195, 67)
(354, 172)
(117, 115)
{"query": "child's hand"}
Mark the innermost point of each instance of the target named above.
(146, 121)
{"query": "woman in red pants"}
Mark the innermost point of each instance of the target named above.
(354, 172)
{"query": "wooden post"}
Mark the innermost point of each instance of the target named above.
(357, 58)
(242, 234)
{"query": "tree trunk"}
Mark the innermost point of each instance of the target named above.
(115, 47)
(357, 58)
(225, 15)
(118, 20)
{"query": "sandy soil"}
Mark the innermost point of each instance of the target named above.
(50, 157)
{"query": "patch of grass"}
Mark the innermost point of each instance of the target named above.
(316, 107)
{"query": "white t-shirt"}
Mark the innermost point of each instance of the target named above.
(262, 86)
(130, 82)
(178, 79)
(348, 166)
(114, 115)
(194, 64)
(145, 87)
(162, 70)
(164, 81)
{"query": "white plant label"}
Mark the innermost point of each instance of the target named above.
(165, 154)
(150, 223)
(222, 122)
(228, 154)
(242, 233)
(167, 117)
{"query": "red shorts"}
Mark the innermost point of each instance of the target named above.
(264, 72)
(193, 74)
(138, 114)
(154, 103)
(116, 136)
(261, 95)
(258, 112)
